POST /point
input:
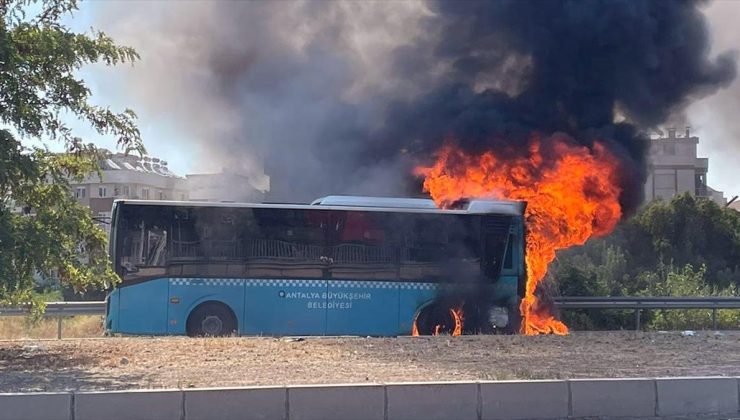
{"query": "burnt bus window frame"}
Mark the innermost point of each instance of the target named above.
(124, 214)
(454, 248)
(289, 243)
(248, 242)
(509, 255)
(204, 235)
(363, 245)
(398, 227)
(113, 240)
(496, 238)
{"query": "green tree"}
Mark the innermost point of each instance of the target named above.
(687, 230)
(640, 256)
(688, 281)
(39, 60)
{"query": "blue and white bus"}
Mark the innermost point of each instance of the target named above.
(343, 265)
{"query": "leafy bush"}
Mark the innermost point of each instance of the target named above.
(684, 247)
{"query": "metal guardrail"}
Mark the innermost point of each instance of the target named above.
(60, 310)
(56, 309)
(640, 303)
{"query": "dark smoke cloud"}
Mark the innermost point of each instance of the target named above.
(334, 97)
(585, 63)
(267, 86)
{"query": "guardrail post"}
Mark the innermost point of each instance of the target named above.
(637, 319)
(714, 318)
(59, 328)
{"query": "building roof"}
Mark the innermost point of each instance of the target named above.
(132, 162)
(735, 205)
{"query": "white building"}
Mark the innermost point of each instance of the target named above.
(674, 168)
(128, 176)
(149, 178)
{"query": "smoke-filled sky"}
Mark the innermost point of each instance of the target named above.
(343, 96)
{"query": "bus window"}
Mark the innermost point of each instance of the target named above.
(509, 256)
(286, 243)
(446, 248)
(143, 237)
(496, 253)
(206, 241)
(464, 250)
(363, 245)
(424, 246)
(185, 237)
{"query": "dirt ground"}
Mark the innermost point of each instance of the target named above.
(126, 363)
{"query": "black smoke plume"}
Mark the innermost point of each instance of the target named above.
(346, 97)
(594, 70)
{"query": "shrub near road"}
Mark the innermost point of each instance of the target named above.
(683, 247)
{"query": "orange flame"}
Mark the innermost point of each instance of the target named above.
(457, 315)
(572, 194)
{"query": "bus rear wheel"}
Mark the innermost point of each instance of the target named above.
(435, 320)
(211, 319)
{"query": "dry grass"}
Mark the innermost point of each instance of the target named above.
(179, 362)
(12, 328)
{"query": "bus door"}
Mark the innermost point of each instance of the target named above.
(141, 261)
(286, 264)
(363, 273)
(499, 239)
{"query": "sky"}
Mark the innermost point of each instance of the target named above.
(713, 118)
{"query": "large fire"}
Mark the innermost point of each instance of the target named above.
(572, 193)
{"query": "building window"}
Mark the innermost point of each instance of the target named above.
(145, 193)
(126, 191)
(80, 192)
(102, 191)
(116, 191)
(162, 196)
(700, 186)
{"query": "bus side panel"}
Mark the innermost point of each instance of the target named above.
(362, 308)
(505, 290)
(412, 297)
(187, 293)
(285, 307)
(112, 316)
(143, 308)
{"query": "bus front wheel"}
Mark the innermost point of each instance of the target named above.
(515, 319)
(211, 319)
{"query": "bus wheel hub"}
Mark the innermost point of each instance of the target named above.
(212, 325)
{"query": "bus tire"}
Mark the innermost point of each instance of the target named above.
(432, 316)
(211, 319)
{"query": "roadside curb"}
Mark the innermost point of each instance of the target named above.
(478, 400)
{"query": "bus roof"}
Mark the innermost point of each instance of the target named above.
(360, 203)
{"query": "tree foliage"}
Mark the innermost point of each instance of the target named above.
(683, 247)
(42, 227)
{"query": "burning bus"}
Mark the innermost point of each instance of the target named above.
(343, 265)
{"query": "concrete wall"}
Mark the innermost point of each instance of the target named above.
(580, 398)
